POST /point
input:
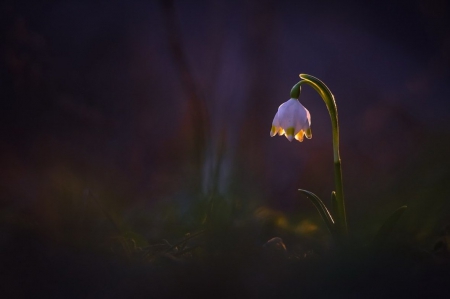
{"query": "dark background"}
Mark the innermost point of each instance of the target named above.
(140, 108)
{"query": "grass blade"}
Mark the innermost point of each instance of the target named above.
(388, 226)
(323, 211)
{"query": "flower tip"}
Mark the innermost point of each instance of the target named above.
(299, 135)
(273, 131)
(290, 133)
(308, 133)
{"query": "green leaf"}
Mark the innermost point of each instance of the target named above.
(388, 226)
(323, 211)
(334, 204)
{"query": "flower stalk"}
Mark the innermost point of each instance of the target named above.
(328, 98)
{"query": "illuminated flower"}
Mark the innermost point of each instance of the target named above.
(292, 120)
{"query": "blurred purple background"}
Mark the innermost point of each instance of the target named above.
(147, 102)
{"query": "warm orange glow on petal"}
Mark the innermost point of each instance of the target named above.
(299, 136)
(273, 131)
(308, 133)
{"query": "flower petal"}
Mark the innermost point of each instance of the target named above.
(308, 133)
(275, 126)
(273, 131)
(290, 133)
(299, 135)
(276, 121)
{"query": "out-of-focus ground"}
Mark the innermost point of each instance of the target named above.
(140, 109)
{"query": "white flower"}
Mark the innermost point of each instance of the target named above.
(292, 120)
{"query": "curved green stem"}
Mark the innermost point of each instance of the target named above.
(328, 98)
(295, 91)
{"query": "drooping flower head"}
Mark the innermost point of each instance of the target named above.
(292, 120)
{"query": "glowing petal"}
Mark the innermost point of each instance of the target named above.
(308, 133)
(290, 133)
(299, 136)
(273, 131)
